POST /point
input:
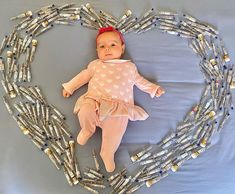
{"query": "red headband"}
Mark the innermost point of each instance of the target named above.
(109, 29)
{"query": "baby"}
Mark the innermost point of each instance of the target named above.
(109, 101)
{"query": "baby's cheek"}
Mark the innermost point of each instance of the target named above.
(100, 54)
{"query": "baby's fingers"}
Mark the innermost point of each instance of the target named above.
(66, 94)
(160, 91)
(163, 91)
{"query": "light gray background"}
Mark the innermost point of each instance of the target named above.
(166, 59)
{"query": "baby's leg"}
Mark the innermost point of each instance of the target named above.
(113, 128)
(88, 120)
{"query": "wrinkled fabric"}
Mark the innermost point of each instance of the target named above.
(108, 107)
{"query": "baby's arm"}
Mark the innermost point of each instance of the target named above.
(147, 86)
(79, 80)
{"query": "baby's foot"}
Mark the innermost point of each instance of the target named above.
(108, 162)
(83, 137)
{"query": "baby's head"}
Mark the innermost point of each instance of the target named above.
(109, 43)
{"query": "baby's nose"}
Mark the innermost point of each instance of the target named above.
(107, 48)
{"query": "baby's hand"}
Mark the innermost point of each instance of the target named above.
(66, 94)
(160, 91)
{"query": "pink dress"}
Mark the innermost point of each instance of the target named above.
(111, 86)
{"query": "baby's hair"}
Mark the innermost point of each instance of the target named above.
(109, 29)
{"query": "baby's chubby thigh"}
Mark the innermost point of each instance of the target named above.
(88, 119)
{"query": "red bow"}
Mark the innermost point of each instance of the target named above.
(110, 29)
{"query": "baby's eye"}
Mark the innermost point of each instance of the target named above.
(113, 44)
(101, 46)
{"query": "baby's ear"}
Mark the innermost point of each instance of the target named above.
(123, 48)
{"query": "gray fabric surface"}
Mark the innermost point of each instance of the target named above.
(165, 59)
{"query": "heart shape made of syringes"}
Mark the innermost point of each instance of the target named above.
(44, 124)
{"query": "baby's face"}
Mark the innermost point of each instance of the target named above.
(109, 46)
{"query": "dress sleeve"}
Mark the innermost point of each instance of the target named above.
(79, 80)
(145, 85)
